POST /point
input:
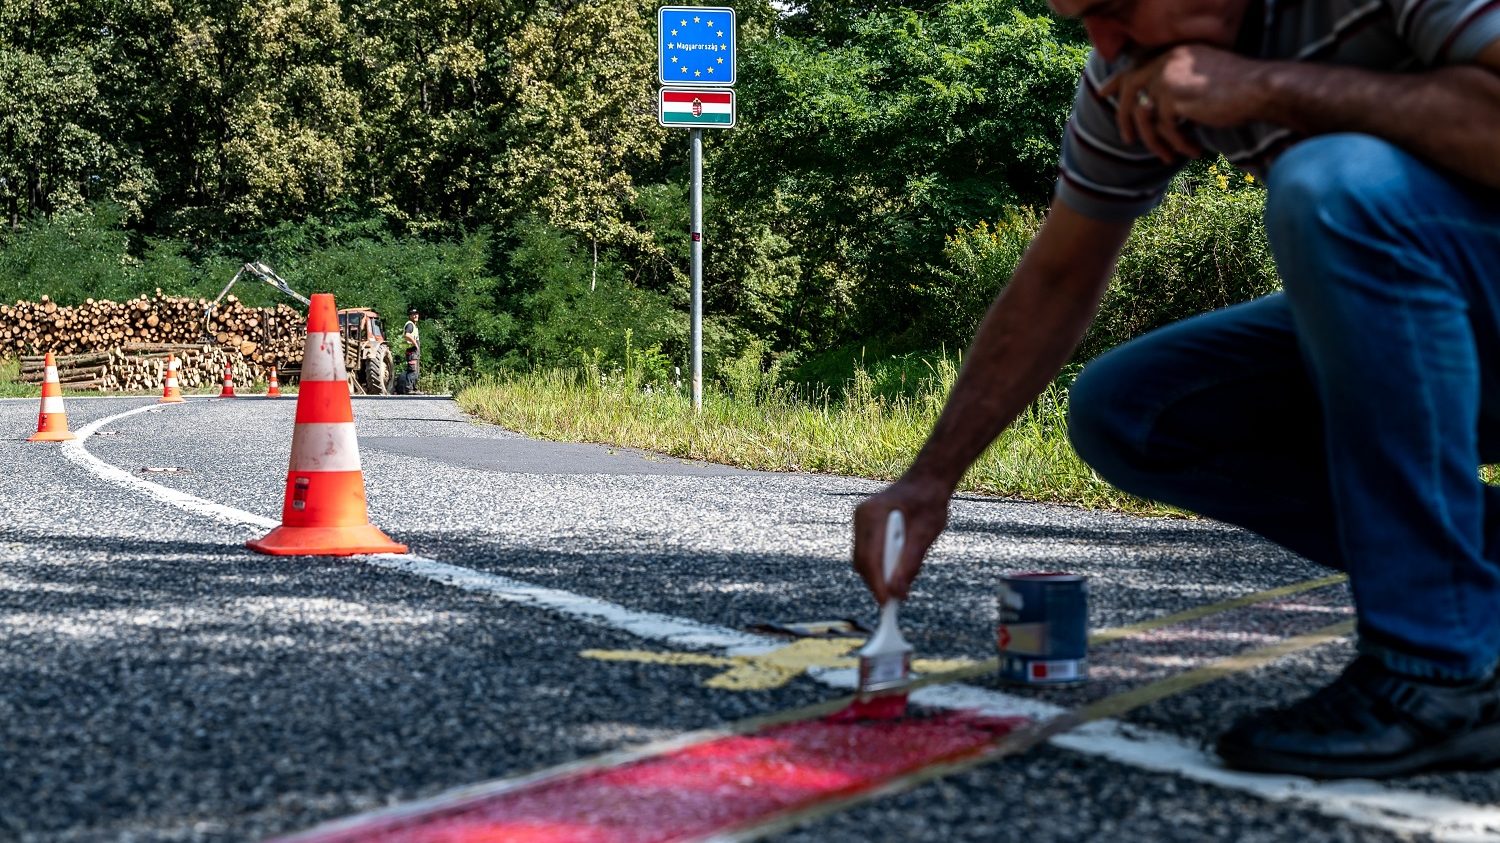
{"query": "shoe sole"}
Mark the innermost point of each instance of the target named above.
(1473, 750)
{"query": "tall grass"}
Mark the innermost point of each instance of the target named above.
(10, 380)
(787, 429)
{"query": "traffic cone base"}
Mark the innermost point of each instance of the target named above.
(326, 541)
(51, 436)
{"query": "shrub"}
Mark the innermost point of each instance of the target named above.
(1199, 251)
(1202, 249)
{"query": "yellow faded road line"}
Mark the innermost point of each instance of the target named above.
(1118, 632)
(776, 668)
(1113, 706)
(765, 671)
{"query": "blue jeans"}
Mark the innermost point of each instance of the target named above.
(1344, 418)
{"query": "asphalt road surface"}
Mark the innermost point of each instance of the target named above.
(160, 682)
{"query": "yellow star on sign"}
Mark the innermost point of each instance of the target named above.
(774, 669)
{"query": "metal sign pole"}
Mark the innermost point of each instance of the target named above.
(696, 224)
(695, 65)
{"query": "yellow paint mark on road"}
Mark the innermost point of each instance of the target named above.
(774, 669)
(645, 657)
(782, 665)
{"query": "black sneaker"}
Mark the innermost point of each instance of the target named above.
(1372, 723)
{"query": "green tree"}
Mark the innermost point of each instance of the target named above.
(865, 156)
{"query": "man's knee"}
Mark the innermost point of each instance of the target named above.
(1332, 182)
(1103, 419)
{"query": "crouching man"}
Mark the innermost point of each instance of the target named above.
(1345, 417)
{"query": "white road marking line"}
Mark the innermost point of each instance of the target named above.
(80, 455)
(651, 626)
(1362, 802)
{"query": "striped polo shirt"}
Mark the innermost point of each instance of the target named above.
(1105, 178)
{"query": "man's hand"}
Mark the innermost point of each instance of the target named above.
(924, 505)
(1187, 84)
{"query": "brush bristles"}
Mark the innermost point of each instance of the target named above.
(883, 672)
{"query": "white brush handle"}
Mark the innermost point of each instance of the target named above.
(895, 540)
(887, 642)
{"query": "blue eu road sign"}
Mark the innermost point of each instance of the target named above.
(695, 45)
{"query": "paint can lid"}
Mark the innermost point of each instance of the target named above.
(1045, 576)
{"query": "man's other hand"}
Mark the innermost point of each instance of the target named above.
(1184, 86)
(924, 505)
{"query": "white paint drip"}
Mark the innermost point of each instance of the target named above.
(1362, 802)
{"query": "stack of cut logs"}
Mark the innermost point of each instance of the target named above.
(121, 345)
(142, 366)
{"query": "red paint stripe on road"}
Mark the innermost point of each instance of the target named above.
(711, 787)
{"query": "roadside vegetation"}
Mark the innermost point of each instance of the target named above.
(860, 434)
(852, 412)
(510, 181)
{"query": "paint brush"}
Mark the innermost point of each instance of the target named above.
(885, 660)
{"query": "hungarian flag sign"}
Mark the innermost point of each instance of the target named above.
(697, 108)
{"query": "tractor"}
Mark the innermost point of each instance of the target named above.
(367, 356)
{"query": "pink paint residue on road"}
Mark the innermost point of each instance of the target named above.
(706, 788)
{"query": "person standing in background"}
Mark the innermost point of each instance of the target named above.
(413, 351)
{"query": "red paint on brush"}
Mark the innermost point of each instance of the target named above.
(711, 787)
(885, 707)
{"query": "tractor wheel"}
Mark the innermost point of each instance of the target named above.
(374, 377)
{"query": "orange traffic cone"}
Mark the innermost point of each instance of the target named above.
(52, 422)
(274, 391)
(228, 390)
(170, 393)
(324, 511)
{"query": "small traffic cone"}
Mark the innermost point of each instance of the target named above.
(52, 422)
(228, 390)
(170, 393)
(324, 512)
(274, 391)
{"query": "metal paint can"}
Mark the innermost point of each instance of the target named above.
(1043, 633)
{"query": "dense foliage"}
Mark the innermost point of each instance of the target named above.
(498, 164)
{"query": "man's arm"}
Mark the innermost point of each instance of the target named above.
(1449, 116)
(1028, 334)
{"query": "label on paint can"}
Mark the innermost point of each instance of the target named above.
(1043, 630)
